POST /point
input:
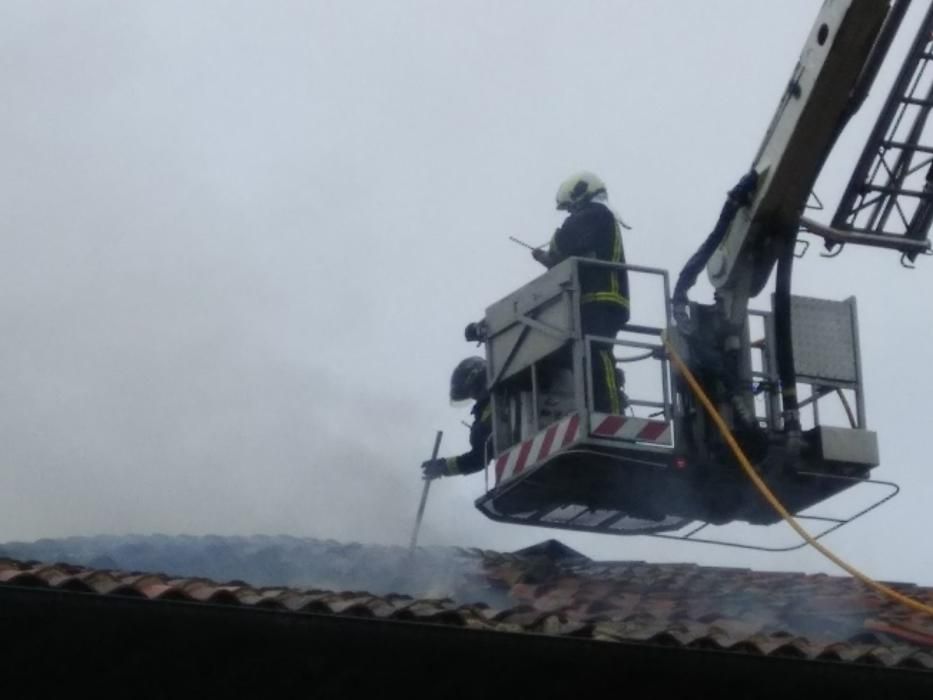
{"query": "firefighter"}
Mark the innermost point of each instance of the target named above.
(591, 230)
(468, 381)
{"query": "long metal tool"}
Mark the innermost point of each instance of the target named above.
(522, 243)
(424, 496)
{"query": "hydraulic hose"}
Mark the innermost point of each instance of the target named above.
(738, 197)
(769, 496)
(784, 338)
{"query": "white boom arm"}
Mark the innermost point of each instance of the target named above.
(812, 112)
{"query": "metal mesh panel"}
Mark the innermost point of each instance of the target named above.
(825, 339)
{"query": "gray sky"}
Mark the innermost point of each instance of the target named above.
(240, 241)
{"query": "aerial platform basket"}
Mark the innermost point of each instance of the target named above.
(656, 468)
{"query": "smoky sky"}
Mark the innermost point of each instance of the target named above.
(240, 242)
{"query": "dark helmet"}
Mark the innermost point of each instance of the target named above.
(468, 380)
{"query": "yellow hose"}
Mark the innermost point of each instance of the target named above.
(770, 497)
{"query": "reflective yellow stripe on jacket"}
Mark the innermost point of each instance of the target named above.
(612, 296)
(609, 372)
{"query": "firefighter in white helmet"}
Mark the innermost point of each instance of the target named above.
(592, 230)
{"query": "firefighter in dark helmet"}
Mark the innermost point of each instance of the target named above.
(468, 381)
(591, 230)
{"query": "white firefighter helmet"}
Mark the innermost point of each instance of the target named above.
(468, 380)
(579, 188)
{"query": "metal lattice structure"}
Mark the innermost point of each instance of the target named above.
(889, 199)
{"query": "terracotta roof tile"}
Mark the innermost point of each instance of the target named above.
(918, 633)
(302, 602)
(206, 592)
(23, 578)
(683, 605)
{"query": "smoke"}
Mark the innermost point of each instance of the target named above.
(282, 561)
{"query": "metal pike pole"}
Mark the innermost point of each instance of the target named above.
(424, 497)
(521, 243)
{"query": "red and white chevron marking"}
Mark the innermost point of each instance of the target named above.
(550, 440)
(607, 425)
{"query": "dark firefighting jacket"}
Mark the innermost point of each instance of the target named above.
(480, 431)
(593, 232)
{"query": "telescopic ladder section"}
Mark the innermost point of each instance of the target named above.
(888, 202)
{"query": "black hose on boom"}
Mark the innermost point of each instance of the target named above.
(738, 197)
(784, 337)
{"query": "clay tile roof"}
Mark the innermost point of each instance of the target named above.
(552, 590)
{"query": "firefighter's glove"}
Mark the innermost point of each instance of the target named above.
(476, 332)
(434, 468)
(541, 256)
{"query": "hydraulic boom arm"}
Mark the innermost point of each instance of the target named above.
(812, 112)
